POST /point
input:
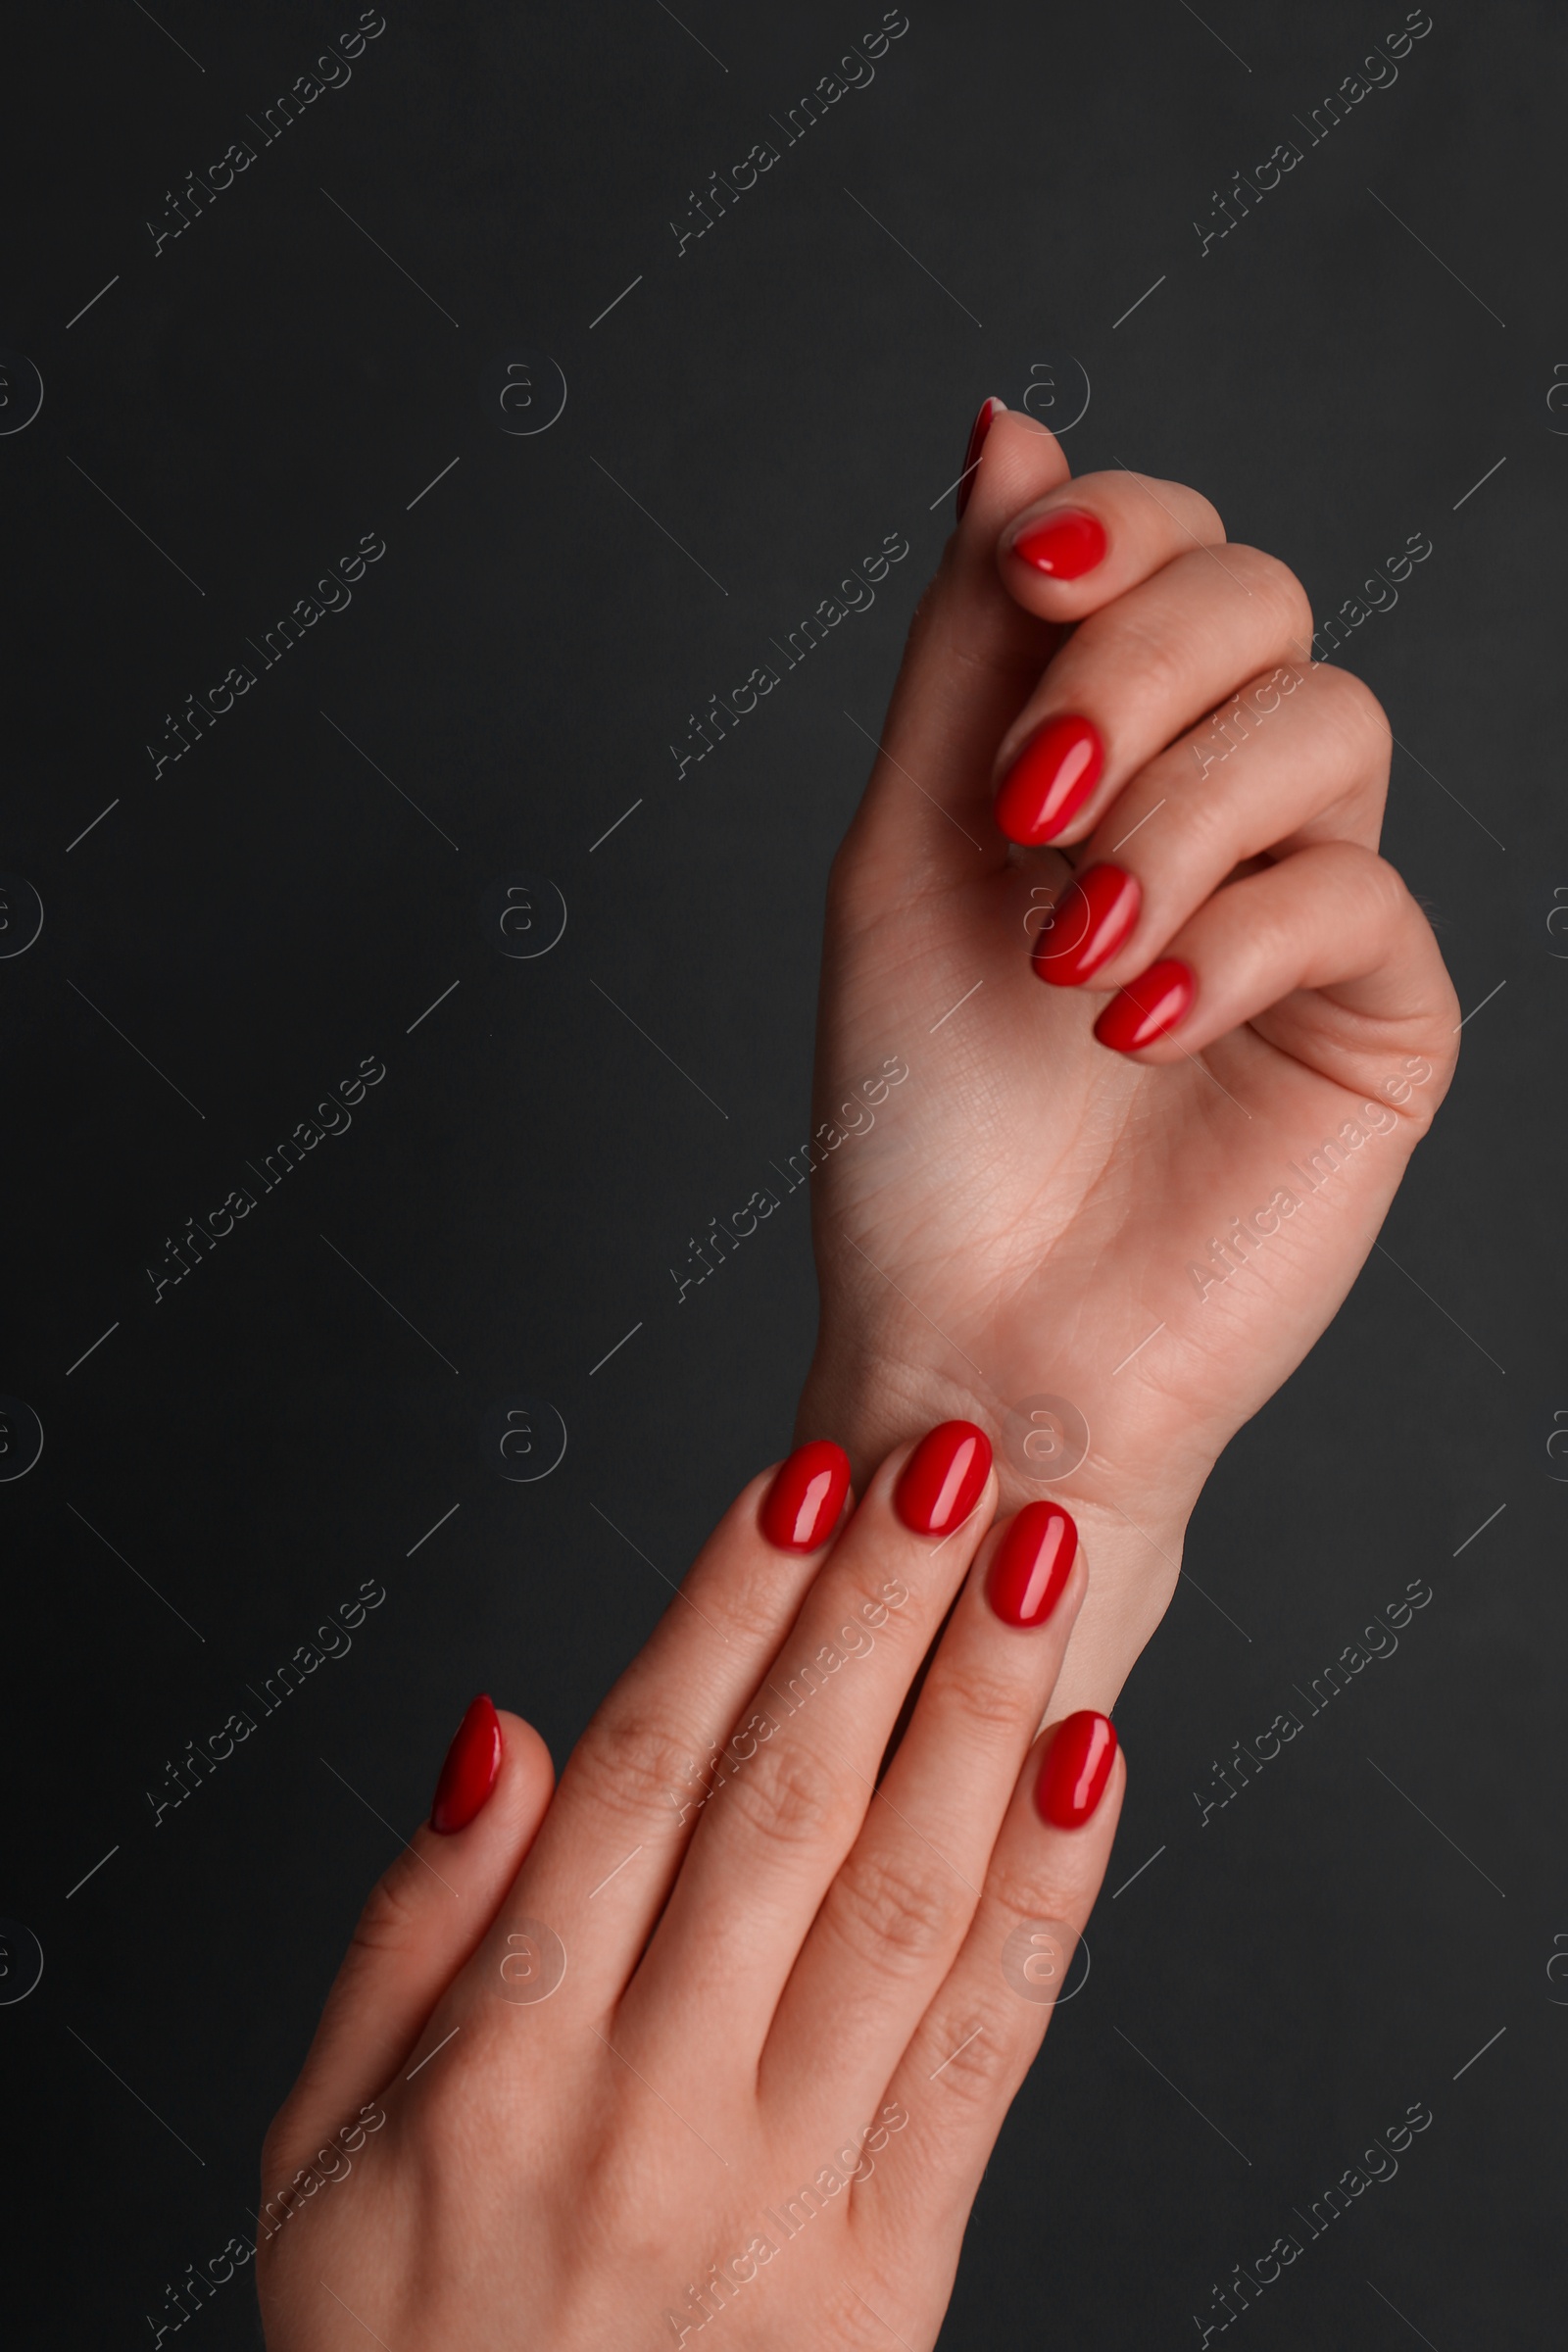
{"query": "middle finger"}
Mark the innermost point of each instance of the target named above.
(1135, 676)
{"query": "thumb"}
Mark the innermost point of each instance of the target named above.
(423, 1919)
(973, 659)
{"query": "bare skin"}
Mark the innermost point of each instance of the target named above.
(806, 1983)
(1023, 1213)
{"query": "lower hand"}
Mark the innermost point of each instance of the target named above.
(605, 2064)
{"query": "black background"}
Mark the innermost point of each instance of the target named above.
(270, 385)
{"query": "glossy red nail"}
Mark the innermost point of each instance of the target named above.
(469, 1772)
(1033, 1562)
(1050, 780)
(1089, 922)
(1149, 1006)
(801, 1509)
(1072, 1779)
(943, 1479)
(989, 410)
(1064, 545)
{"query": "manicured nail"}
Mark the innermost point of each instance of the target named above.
(1089, 922)
(1050, 780)
(989, 410)
(801, 1509)
(1064, 545)
(1033, 1563)
(469, 1772)
(1147, 1007)
(1072, 1779)
(944, 1478)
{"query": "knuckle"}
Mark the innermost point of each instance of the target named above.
(1349, 705)
(391, 1919)
(1268, 577)
(974, 2053)
(631, 1764)
(892, 1905)
(983, 1696)
(787, 1796)
(1020, 1887)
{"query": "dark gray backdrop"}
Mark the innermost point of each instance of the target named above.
(1016, 203)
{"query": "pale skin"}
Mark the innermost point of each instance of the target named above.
(1023, 1213)
(805, 1977)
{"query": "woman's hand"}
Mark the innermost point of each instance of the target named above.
(725, 2031)
(1150, 1215)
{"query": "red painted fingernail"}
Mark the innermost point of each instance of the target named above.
(469, 1772)
(1033, 1563)
(801, 1509)
(1089, 922)
(1050, 781)
(1072, 1779)
(942, 1480)
(1149, 1006)
(1064, 545)
(989, 410)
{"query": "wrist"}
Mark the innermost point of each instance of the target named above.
(1131, 1536)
